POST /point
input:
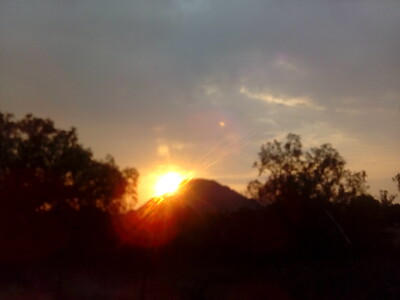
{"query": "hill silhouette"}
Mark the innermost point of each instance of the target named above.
(66, 231)
(162, 219)
(203, 196)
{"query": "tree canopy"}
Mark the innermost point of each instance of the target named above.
(318, 174)
(43, 168)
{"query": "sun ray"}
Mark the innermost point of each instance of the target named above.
(224, 148)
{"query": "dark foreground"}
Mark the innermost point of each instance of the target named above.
(164, 277)
(247, 255)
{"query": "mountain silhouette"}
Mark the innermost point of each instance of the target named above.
(159, 220)
(204, 196)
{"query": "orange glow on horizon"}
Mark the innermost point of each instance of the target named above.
(153, 225)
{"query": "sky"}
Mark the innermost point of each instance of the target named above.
(199, 85)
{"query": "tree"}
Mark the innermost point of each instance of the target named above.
(45, 168)
(318, 174)
(385, 198)
(396, 179)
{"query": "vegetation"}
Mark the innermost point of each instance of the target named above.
(65, 226)
(397, 180)
(318, 174)
(43, 168)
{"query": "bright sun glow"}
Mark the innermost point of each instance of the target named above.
(168, 183)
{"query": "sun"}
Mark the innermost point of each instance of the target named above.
(168, 184)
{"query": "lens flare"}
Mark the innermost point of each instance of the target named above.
(168, 184)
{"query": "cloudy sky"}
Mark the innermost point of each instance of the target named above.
(199, 85)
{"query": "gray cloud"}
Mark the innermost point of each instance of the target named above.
(121, 69)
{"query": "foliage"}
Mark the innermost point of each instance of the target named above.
(317, 174)
(385, 198)
(43, 168)
(396, 179)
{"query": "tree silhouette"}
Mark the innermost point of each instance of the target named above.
(44, 168)
(318, 174)
(396, 179)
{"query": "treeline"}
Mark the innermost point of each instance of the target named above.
(61, 205)
(53, 192)
(46, 175)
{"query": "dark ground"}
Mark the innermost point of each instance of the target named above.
(153, 275)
